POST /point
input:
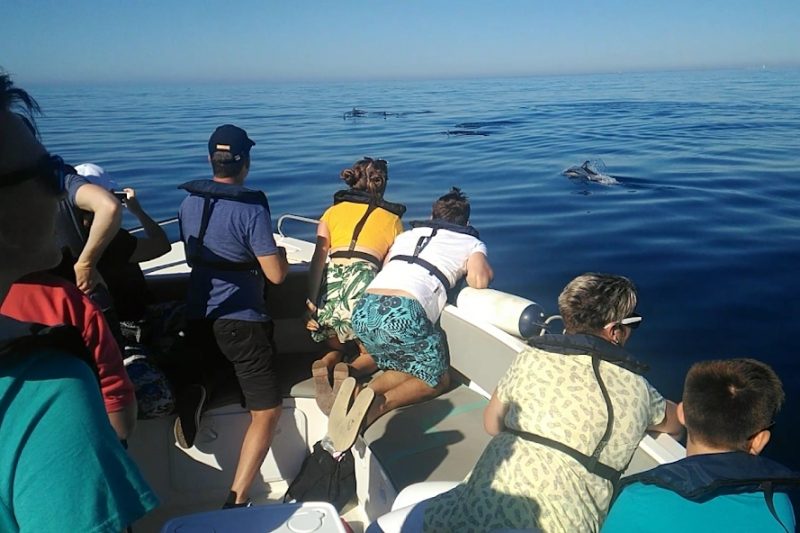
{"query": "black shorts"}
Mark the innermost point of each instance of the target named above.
(249, 347)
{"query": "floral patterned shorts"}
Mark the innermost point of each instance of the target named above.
(340, 292)
(399, 335)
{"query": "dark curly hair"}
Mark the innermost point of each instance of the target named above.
(453, 207)
(368, 175)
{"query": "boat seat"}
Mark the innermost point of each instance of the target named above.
(437, 440)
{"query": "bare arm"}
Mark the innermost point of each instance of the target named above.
(275, 266)
(494, 414)
(318, 261)
(670, 424)
(479, 271)
(124, 420)
(156, 244)
(107, 218)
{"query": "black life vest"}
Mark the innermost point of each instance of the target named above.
(33, 337)
(211, 191)
(599, 350)
(362, 197)
(699, 478)
(423, 241)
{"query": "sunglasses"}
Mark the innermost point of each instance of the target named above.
(49, 167)
(632, 321)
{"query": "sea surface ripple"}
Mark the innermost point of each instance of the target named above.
(705, 220)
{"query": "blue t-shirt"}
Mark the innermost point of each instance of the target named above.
(61, 465)
(648, 508)
(70, 233)
(237, 232)
(73, 182)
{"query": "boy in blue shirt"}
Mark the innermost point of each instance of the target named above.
(723, 484)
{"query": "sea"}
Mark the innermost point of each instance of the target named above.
(702, 213)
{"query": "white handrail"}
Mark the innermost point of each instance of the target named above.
(298, 218)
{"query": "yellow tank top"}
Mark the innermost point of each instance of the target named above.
(378, 233)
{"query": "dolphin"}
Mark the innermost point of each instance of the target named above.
(588, 172)
(354, 113)
(466, 133)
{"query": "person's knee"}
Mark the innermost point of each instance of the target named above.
(266, 416)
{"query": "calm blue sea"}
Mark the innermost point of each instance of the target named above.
(705, 220)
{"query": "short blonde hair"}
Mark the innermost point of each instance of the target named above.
(592, 300)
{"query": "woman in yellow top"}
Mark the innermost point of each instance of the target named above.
(355, 234)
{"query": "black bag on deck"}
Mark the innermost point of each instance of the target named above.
(324, 479)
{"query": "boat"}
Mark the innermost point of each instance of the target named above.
(435, 441)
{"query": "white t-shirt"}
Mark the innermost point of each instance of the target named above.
(447, 250)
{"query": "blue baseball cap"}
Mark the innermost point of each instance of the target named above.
(231, 139)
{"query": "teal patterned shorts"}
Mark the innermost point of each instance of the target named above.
(399, 335)
(341, 290)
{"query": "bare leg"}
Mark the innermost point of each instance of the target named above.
(255, 446)
(398, 391)
(335, 354)
(321, 372)
(363, 364)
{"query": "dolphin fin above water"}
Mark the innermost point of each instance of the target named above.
(590, 171)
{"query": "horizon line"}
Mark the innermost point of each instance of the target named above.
(409, 78)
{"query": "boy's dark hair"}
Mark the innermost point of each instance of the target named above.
(225, 166)
(453, 207)
(727, 402)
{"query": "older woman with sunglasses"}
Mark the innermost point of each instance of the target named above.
(566, 419)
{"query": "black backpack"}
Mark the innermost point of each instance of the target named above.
(324, 479)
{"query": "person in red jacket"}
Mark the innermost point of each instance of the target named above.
(50, 300)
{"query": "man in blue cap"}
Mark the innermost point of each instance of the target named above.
(227, 232)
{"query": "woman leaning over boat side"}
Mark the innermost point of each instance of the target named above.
(566, 419)
(355, 233)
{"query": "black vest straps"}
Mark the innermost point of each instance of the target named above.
(65, 339)
(211, 190)
(599, 350)
(363, 197)
(590, 462)
(595, 467)
(699, 478)
(436, 225)
(415, 259)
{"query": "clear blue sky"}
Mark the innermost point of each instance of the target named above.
(65, 41)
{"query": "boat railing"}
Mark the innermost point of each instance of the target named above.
(547, 322)
(165, 222)
(297, 218)
(283, 218)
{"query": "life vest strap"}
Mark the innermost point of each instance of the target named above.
(590, 462)
(415, 259)
(355, 254)
(593, 466)
(197, 258)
